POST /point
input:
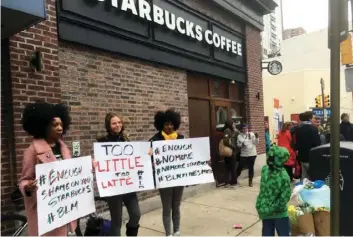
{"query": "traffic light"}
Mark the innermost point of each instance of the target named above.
(318, 101)
(327, 101)
(346, 51)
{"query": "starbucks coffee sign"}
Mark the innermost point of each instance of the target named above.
(156, 14)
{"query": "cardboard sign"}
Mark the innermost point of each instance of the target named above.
(182, 162)
(65, 192)
(123, 167)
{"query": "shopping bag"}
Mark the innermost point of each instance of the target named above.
(297, 170)
(306, 224)
(322, 223)
(317, 198)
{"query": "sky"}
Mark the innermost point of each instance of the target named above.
(312, 15)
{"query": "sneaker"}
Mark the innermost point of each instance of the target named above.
(177, 233)
(227, 186)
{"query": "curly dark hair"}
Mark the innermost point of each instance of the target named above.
(37, 117)
(162, 117)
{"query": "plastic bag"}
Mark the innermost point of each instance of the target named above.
(316, 198)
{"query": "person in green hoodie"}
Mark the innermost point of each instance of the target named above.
(275, 192)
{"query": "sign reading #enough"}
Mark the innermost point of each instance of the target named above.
(182, 162)
(123, 167)
(65, 192)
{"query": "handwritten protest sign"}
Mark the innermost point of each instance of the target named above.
(65, 192)
(123, 167)
(182, 162)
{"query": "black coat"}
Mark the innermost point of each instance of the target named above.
(159, 137)
(306, 137)
(346, 129)
(113, 138)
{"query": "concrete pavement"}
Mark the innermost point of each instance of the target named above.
(207, 210)
(212, 213)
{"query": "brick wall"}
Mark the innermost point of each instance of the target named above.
(94, 83)
(28, 85)
(254, 106)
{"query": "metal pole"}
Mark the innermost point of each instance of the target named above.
(335, 11)
(322, 82)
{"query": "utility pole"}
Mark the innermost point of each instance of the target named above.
(337, 32)
(322, 82)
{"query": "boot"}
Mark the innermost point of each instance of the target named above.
(250, 181)
(130, 231)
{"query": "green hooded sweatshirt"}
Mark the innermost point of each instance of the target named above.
(275, 189)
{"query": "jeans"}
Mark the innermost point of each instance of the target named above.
(171, 200)
(281, 225)
(246, 161)
(305, 170)
(231, 168)
(115, 204)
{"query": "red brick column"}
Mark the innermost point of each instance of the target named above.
(27, 84)
(254, 106)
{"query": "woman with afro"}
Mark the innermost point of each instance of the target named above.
(46, 123)
(167, 123)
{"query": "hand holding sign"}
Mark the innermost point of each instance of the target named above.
(65, 192)
(123, 167)
(182, 162)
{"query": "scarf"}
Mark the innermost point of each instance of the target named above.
(171, 136)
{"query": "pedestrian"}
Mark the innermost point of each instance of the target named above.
(306, 138)
(167, 123)
(346, 128)
(46, 123)
(267, 137)
(322, 134)
(285, 140)
(275, 192)
(115, 133)
(230, 136)
(247, 142)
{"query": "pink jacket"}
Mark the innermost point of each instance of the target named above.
(39, 152)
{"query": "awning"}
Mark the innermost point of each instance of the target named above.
(17, 15)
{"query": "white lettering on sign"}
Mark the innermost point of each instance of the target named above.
(172, 22)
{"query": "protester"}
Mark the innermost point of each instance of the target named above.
(285, 140)
(267, 137)
(346, 128)
(46, 123)
(230, 136)
(115, 133)
(167, 123)
(306, 138)
(275, 192)
(247, 142)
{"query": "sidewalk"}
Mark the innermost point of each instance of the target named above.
(212, 213)
(207, 210)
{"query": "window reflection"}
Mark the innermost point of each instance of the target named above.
(221, 117)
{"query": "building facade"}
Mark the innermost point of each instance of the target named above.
(272, 33)
(289, 33)
(202, 58)
(305, 60)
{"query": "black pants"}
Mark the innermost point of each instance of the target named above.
(289, 170)
(115, 204)
(249, 162)
(231, 169)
